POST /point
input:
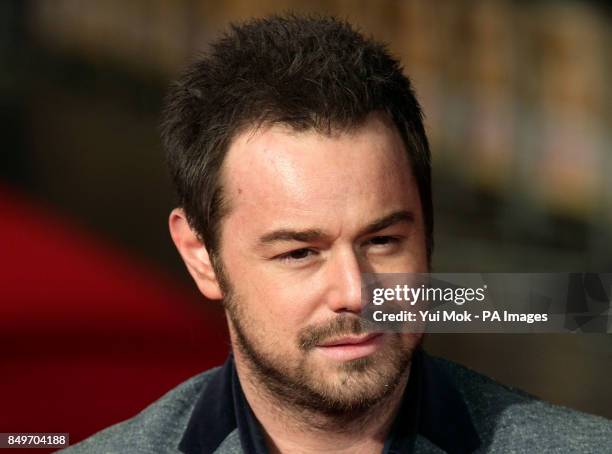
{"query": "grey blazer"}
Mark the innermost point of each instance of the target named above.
(506, 420)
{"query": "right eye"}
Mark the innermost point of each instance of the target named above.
(297, 255)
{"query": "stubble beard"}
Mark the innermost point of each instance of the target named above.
(346, 393)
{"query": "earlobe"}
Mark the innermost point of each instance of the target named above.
(194, 254)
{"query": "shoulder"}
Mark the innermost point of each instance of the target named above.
(508, 418)
(157, 428)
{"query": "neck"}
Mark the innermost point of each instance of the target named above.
(299, 430)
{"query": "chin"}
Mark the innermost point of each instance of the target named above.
(357, 384)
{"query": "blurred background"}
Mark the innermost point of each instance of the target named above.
(97, 314)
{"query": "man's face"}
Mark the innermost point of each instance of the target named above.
(308, 214)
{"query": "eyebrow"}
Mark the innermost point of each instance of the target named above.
(389, 220)
(303, 236)
(309, 235)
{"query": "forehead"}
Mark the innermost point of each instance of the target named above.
(280, 171)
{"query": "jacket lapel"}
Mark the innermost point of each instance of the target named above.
(231, 444)
(423, 446)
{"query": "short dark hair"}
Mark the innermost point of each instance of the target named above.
(305, 72)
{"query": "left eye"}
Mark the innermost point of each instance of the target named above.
(382, 240)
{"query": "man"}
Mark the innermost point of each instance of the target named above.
(300, 161)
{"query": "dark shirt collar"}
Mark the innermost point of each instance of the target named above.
(444, 418)
(431, 407)
(214, 416)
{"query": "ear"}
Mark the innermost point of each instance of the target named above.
(194, 254)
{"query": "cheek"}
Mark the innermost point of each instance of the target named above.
(290, 305)
(277, 309)
(419, 263)
(418, 251)
(281, 301)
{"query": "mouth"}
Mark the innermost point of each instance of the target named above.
(351, 347)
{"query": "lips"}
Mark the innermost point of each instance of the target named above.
(350, 340)
(349, 348)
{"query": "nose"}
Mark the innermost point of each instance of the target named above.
(344, 279)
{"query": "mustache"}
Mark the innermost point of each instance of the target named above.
(343, 325)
